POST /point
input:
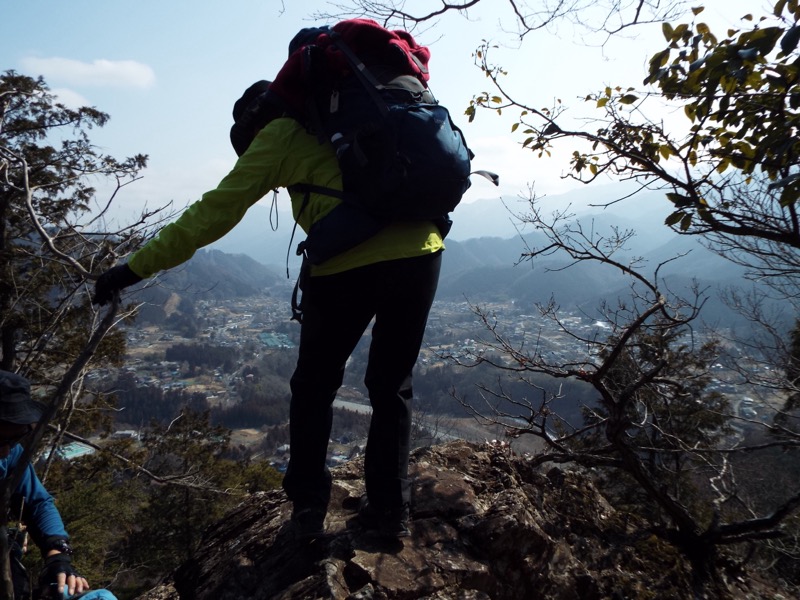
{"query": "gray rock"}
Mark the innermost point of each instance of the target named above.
(485, 525)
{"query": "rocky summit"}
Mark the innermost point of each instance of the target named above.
(486, 524)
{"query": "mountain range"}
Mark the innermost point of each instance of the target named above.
(491, 266)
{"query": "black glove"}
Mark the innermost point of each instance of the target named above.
(53, 565)
(111, 282)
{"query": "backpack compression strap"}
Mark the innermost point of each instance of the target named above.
(368, 80)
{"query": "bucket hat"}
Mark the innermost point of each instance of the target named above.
(16, 404)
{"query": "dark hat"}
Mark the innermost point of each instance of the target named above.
(249, 95)
(305, 36)
(16, 404)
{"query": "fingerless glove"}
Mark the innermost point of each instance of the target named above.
(55, 564)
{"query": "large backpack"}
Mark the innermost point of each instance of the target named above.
(364, 89)
(400, 153)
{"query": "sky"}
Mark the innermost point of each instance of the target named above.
(168, 73)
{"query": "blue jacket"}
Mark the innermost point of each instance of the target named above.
(39, 511)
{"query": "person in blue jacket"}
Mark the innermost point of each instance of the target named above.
(19, 414)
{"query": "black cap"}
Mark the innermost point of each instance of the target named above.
(305, 36)
(16, 404)
(249, 95)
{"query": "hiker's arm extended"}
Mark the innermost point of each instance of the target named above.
(273, 160)
(205, 221)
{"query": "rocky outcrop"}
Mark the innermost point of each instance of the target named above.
(485, 525)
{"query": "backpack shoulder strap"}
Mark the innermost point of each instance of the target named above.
(371, 84)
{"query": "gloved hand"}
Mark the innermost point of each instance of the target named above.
(111, 282)
(58, 576)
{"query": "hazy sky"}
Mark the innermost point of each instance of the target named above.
(168, 73)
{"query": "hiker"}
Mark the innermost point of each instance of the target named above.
(19, 414)
(390, 277)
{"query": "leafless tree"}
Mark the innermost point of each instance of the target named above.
(522, 17)
(657, 421)
(429, 428)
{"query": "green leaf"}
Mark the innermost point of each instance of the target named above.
(659, 60)
(686, 222)
(628, 99)
(680, 30)
(679, 200)
(673, 218)
(667, 30)
(697, 10)
(514, 127)
(602, 102)
(697, 64)
(789, 196)
(724, 103)
(764, 39)
(789, 41)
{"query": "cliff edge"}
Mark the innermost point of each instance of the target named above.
(485, 525)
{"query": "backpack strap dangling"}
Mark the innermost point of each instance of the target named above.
(297, 306)
(299, 285)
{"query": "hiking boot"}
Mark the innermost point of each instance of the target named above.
(308, 523)
(389, 522)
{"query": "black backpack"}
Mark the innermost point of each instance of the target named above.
(400, 153)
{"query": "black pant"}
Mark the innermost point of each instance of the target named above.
(336, 311)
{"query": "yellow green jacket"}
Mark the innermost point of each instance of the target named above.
(281, 155)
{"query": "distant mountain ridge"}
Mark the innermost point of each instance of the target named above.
(253, 258)
(208, 275)
(268, 235)
(491, 269)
